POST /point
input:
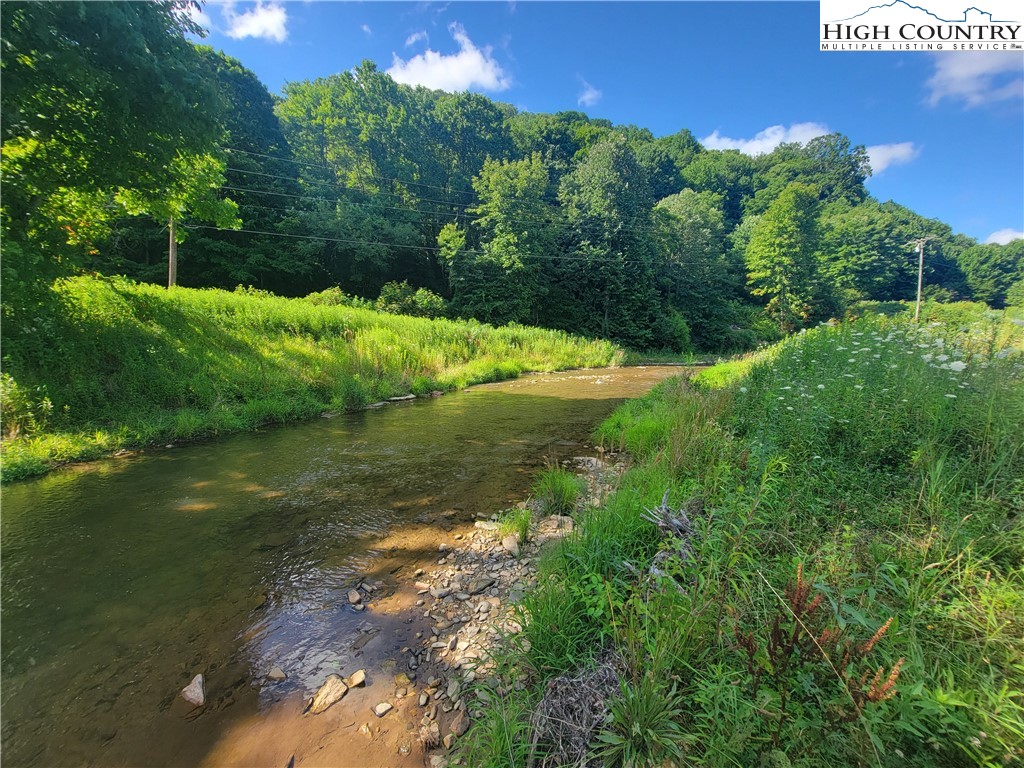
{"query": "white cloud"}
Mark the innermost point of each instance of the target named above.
(200, 17)
(1004, 236)
(768, 139)
(266, 20)
(470, 67)
(884, 155)
(589, 96)
(976, 79)
(366, 30)
(416, 37)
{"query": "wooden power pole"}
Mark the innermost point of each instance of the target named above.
(919, 243)
(172, 258)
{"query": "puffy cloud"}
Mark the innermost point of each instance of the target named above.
(264, 20)
(416, 37)
(200, 17)
(470, 67)
(884, 155)
(1004, 236)
(366, 30)
(768, 139)
(589, 96)
(976, 78)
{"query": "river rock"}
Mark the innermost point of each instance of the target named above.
(195, 692)
(479, 585)
(460, 725)
(276, 675)
(511, 544)
(402, 679)
(332, 691)
(382, 709)
(356, 679)
(354, 597)
(401, 398)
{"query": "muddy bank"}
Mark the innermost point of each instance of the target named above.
(429, 627)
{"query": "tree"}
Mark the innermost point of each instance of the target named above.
(190, 189)
(698, 280)
(97, 97)
(610, 249)
(780, 256)
(500, 283)
(990, 270)
(730, 174)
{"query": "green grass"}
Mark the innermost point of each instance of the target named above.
(853, 590)
(110, 364)
(557, 491)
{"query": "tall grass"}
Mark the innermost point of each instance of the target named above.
(110, 364)
(852, 591)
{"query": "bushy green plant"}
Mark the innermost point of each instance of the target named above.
(557, 491)
(516, 522)
(402, 299)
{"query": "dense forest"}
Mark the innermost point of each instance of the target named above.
(117, 128)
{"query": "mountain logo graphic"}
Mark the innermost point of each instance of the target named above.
(979, 16)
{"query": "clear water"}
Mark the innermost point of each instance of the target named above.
(123, 578)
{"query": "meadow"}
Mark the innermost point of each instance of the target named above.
(112, 364)
(837, 579)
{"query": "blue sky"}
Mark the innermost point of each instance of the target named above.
(945, 131)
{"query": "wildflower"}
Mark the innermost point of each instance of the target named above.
(743, 390)
(926, 358)
(858, 386)
(821, 386)
(957, 365)
(789, 407)
(953, 397)
(942, 358)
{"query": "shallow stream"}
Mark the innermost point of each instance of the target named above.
(123, 578)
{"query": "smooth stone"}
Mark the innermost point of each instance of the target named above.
(195, 692)
(356, 679)
(276, 675)
(511, 544)
(402, 680)
(354, 597)
(424, 699)
(382, 709)
(331, 692)
(448, 740)
(460, 725)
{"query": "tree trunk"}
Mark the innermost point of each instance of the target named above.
(172, 258)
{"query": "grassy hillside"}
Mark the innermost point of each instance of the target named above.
(847, 587)
(113, 364)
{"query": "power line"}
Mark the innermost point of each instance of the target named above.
(336, 169)
(585, 228)
(550, 257)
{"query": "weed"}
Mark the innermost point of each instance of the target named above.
(557, 491)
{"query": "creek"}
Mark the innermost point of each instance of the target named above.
(123, 578)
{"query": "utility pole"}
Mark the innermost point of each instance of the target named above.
(172, 258)
(919, 244)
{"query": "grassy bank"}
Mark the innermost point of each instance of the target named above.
(838, 578)
(114, 364)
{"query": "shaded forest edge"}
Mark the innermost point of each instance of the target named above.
(119, 133)
(816, 559)
(117, 364)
